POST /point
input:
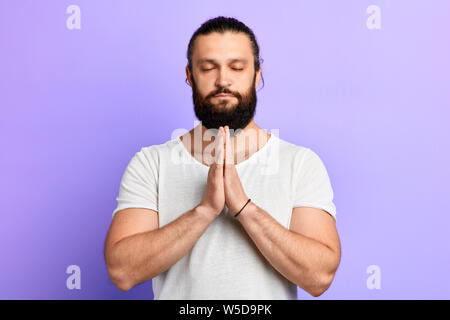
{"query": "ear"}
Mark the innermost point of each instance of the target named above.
(188, 76)
(258, 77)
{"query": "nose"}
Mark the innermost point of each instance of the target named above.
(223, 80)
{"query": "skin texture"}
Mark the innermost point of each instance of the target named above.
(308, 253)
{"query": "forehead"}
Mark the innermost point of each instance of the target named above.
(222, 46)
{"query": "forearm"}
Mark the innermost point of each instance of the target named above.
(143, 256)
(302, 260)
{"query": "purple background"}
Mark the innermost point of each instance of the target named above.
(77, 104)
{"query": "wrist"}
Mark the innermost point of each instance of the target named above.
(205, 212)
(248, 212)
(235, 206)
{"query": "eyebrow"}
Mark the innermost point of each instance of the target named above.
(215, 61)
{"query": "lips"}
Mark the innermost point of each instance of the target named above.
(223, 95)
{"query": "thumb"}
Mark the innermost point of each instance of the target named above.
(229, 154)
(220, 150)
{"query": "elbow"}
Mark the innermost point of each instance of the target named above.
(322, 281)
(123, 285)
(118, 274)
(320, 286)
(317, 292)
(120, 279)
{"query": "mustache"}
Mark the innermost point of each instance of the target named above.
(224, 91)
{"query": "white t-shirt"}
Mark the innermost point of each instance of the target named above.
(225, 263)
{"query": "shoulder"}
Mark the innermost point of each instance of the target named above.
(302, 157)
(150, 155)
(156, 149)
(291, 151)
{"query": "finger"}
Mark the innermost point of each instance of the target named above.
(229, 154)
(220, 152)
(220, 155)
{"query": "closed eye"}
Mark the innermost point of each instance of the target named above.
(237, 69)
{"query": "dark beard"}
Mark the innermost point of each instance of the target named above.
(237, 117)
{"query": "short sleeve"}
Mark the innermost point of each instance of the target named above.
(312, 184)
(139, 184)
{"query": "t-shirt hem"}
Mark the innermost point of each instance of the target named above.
(143, 206)
(330, 211)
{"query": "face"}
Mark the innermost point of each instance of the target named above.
(223, 64)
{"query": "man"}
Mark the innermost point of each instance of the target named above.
(236, 221)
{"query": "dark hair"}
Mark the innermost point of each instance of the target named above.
(222, 24)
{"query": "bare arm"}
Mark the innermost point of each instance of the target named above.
(307, 256)
(142, 256)
(136, 250)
